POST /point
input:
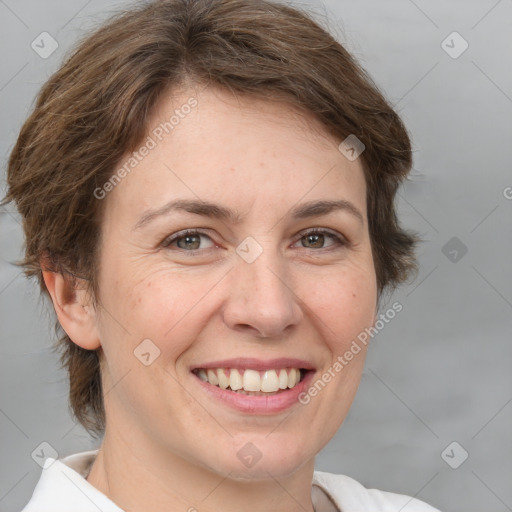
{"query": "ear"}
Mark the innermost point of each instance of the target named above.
(74, 308)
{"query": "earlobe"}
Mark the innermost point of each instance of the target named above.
(74, 309)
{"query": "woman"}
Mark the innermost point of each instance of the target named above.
(207, 192)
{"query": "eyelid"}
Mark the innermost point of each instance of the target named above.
(320, 230)
(339, 239)
(168, 240)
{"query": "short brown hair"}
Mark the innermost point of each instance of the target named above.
(96, 107)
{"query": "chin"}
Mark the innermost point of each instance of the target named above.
(259, 459)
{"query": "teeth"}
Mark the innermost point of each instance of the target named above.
(223, 378)
(283, 379)
(251, 381)
(270, 381)
(212, 377)
(235, 380)
(293, 378)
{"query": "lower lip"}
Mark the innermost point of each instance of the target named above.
(270, 404)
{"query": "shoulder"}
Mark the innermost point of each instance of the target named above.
(351, 496)
(63, 486)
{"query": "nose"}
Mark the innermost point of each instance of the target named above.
(261, 298)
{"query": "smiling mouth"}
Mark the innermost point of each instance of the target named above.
(252, 382)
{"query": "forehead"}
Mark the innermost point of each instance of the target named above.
(209, 144)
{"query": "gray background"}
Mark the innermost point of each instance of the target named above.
(441, 370)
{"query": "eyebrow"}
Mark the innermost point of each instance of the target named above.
(208, 209)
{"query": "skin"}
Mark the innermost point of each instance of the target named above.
(167, 445)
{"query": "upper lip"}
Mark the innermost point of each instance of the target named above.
(251, 363)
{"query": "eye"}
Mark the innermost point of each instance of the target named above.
(189, 240)
(316, 238)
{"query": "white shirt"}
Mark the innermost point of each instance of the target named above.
(63, 487)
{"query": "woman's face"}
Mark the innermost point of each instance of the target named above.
(251, 292)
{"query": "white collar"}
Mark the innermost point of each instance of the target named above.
(63, 485)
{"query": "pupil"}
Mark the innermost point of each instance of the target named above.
(189, 239)
(316, 240)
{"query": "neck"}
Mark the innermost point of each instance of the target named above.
(138, 476)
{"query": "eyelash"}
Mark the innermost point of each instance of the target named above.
(339, 241)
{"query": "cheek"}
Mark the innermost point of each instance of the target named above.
(346, 305)
(165, 307)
